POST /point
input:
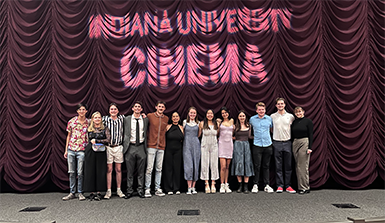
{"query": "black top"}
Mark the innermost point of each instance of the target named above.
(302, 128)
(174, 138)
(100, 136)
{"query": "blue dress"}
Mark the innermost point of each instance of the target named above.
(191, 152)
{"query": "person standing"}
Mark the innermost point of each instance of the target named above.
(302, 133)
(134, 148)
(191, 149)
(225, 148)
(95, 164)
(242, 161)
(156, 144)
(209, 151)
(74, 151)
(114, 123)
(173, 156)
(282, 146)
(261, 149)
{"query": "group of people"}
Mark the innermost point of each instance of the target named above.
(145, 142)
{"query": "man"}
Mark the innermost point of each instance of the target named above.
(282, 146)
(74, 151)
(114, 150)
(156, 145)
(134, 148)
(262, 149)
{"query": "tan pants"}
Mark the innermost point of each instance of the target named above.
(300, 147)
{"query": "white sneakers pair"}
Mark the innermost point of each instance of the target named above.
(158, 192)
(191, 190)
(267, 189)
(225, 188)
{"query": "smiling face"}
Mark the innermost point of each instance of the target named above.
(137, 109)
(280, 105)
(175, 118)
(242, 117)
(97, 119)
(225, 114)
(261, 111)
(82, 111)
(300, 113)
(192, 114)
(160, 108)
(113, 111)
(210, 115)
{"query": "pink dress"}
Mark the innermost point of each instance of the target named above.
(225, 142)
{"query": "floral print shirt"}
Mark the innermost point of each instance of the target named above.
(78, 140)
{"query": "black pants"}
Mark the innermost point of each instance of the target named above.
(95, 170)
(282, 156)
(135, 155)
(261, 156)
(172, 165)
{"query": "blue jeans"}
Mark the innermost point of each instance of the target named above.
(75, 162)
(157, 156)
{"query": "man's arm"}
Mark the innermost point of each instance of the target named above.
(67, 141)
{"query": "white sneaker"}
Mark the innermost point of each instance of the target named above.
(147, 193)
(268, 189)
(177, 193)
(227, 188)
(170, 193)
(68, 197)
(159, 193)
(108, 195)
(119, 192)
(193, 191)
(255, 189)
(189, 191)
(222, 190)
(81, 197)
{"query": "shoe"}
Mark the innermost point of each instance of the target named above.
(246, 188)
(98, 197)
(81, 197)
(170, 193)
(189, 191)
(120, 193)
(177, 193)
(290, 190)
(255, 189)
(227, 188)
(207, 189)
(279, 190)
(68, 197)
(239, 187)
(141, 194)
(268, 189)
(127, 195)
(307, 191)
(213, 189)
(108, 195)
(193, 191)
(222, 190)
(159, 193)
(147, 193)
(302, 192)
(92, 196)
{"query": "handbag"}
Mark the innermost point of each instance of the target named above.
(99, 147)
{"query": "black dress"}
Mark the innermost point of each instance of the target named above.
(172, 164)
(95, 164)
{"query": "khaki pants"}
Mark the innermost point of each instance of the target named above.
(300, 147)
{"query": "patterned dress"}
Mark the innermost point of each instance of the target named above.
(191, 152)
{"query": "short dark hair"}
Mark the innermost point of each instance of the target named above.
(137, 102)
(160, 102)
(113, 104)
(280, 99)
(82, 105)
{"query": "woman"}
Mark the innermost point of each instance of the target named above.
(191, 149)
(302, 134)
(242, 160)
(173, 156)
(95, 167)
(209, 151)
(225, 147)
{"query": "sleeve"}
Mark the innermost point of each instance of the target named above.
(69, 126)
(310, 132)
(108, 137)
(184, 123)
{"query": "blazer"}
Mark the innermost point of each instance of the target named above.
(127, 133)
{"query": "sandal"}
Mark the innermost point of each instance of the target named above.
(207, 188)
(213, 189)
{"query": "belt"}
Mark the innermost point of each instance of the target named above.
(114, 145)
(133, 144)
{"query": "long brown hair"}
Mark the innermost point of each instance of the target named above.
(188, 116)
(206, 121)
(238, 123)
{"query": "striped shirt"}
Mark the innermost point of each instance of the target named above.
(116, 129)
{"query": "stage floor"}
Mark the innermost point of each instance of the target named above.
(261, 207)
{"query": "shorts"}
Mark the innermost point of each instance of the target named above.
(114, 154)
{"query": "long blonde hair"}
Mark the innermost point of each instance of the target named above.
(91, 127)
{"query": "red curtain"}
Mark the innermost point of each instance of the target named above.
(326, 56)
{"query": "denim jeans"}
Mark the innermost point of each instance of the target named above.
(157, 156)
(75, 162)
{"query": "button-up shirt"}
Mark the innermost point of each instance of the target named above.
(133, 129)
(281, 126)
(78, 140)
(116, 129)
(261, 128)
